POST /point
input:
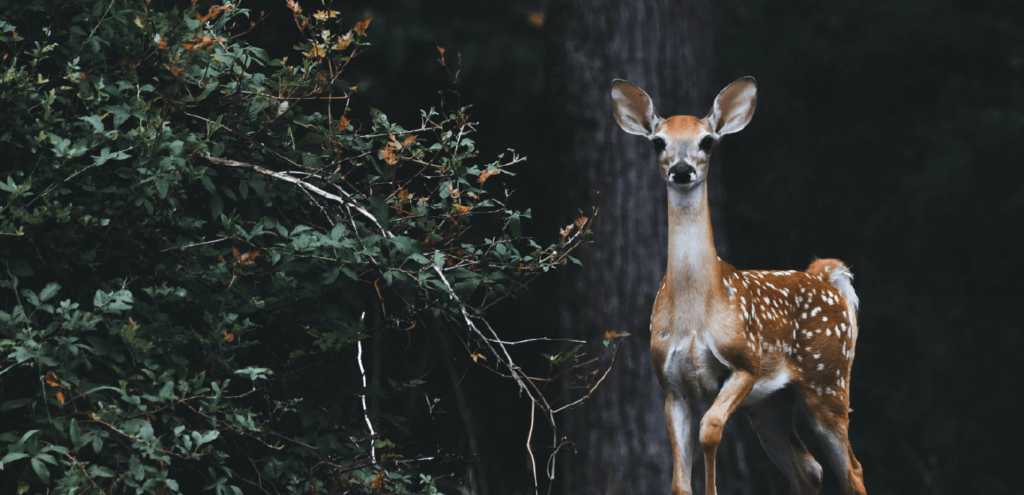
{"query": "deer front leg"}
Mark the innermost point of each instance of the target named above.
(735, 390)
(678, 418)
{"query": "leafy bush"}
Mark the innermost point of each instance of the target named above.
(192, 255)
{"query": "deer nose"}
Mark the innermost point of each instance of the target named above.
(682, 173)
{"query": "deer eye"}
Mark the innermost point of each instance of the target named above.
(659, 145)
(706, 143)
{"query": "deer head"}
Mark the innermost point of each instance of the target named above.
(684, 142)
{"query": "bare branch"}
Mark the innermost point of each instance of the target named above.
(305, 185)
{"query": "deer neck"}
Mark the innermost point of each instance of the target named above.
(693, 267)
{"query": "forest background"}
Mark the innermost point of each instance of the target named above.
(888, 134)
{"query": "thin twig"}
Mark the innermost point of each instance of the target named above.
(366, 415)
(545, 339)
(194, 245)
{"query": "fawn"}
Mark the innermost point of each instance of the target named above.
(732, 337)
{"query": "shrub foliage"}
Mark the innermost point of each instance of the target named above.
(195, 239)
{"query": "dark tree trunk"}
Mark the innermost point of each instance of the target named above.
(664, 46)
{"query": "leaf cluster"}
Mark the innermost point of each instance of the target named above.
(195, 239)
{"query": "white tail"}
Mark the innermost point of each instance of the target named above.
(733, 338)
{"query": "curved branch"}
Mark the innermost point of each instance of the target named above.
(304, 185)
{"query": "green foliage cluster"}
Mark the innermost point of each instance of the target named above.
(195, 238)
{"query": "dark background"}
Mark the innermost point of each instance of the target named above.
(888, 134)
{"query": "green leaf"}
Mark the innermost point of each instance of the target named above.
(161, 188)
(100, 471)
(12, 457)
(97, 124)
(513, 225)
(176, 147)
(216, 206)
(41, 470)
(49, 291)
(258, 53)
(167, 391)
(105, 156)
(135, 467)
(76, 434)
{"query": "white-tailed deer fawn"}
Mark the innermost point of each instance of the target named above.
(732, 337)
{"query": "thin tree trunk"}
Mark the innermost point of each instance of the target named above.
(664, 46)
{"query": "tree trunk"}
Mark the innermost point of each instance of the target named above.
(665, 47)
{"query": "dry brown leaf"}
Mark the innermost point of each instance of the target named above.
(378, 482)
(486, 174)
(343, 123)
(315, 51)
(388, 154)
(342, 42)
(60, 397)
(51, 379)
(360, 27)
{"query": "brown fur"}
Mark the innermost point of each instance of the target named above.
(682, 126)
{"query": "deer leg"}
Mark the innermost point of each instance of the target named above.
(678, 417)
(735, 390)
(830, 423)
(772, 419)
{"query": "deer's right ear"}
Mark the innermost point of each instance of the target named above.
(633, 109)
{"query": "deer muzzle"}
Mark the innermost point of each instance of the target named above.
(682, 173)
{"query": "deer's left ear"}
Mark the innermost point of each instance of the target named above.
(734, 107)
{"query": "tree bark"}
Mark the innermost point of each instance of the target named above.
(665, 47)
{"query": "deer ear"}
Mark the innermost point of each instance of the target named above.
(734, 107)
(633, 109)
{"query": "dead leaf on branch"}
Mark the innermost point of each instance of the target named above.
(360, 27)
(389, 155)
(316, 51)
(246, 258)
(486, 174)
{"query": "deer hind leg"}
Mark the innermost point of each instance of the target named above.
(772, 419)
(830, 422)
